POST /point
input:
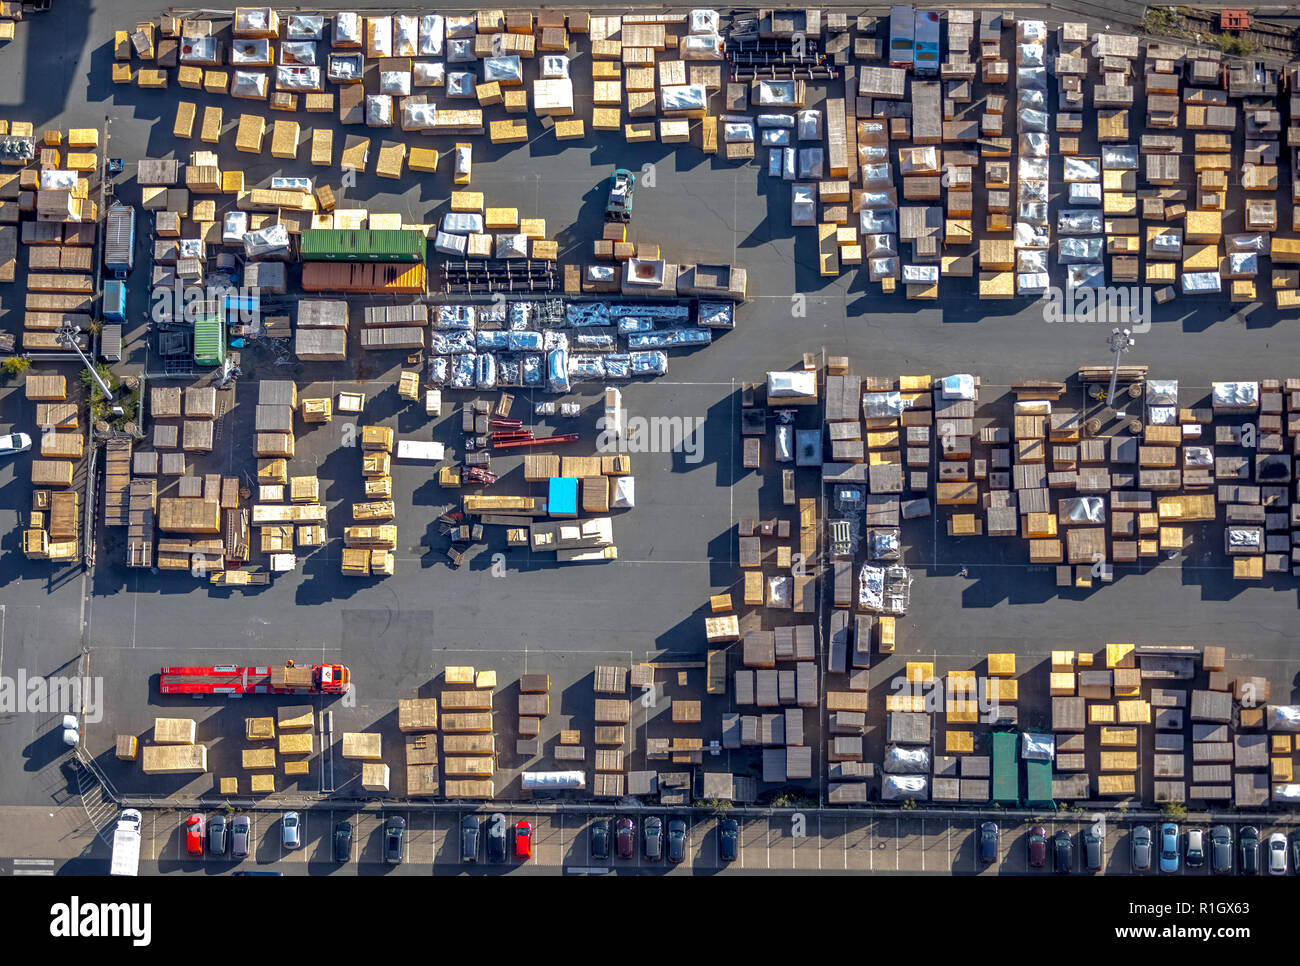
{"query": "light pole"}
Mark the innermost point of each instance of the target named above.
(1120, 341)
(67, 336)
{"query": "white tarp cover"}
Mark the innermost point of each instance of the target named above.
(305, 27)
(461, 84)
(701, 47)
(379, 110)
(459, 27)
(555, 779)
(886, 404)
(395, 82)
(1162, 392)
(463, 221)
(1284, 717)
(920, 274)
(406, 36)
(780, 591)
(256, 53)
(202, 50)
(1031, 261)
(298, 52)
(811, 163)
(1031, 55)
(347, 30)
(345, 67)
(430, 73)
(1085, 276)
(1198, 456)
(508, 69)
(298, 78)
(1085, 194)
(624, 491)
(1084, 509)
(448, 244)
(381, 29)
(1202, 282)
(1253, 242)
(1162, 415)
(1073, 250)
(1031, 169)
(248, 83)
(788, 165)
(555, 67)
(269, 239)
(704, 21)
(810, 125)
(1078, 222)
(774, 137)
(775, 120)
(234, 227)
(1032, 283)
(1119, 157)
(788, 384)
(418, 117)
(1243, 263)
(1082, 169)
(960, 386)
(1286, 792)
(1037, 747)
(803, 204)
(776, 93)
(684, 97)
(1031, 32)
(907, 761)
(871, 587)
(738, 131)
(431, 34)
(895, 787)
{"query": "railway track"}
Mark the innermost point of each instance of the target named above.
(1273, 39)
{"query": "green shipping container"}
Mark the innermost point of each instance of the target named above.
(340, 245)
(209, 341)
(1006, 766)
(1038, 784)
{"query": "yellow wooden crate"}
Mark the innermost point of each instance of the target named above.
(1061, 684)
(1101, 714)
(569, 129)
(920, 672)
(458, 674)
(606, 118)
(959, 742)
(1002, 665)
(1119, 655)
(1115, 737)
(210, 132)
(1001, 690)
(422, 159)
(467, 201)
(284, 140)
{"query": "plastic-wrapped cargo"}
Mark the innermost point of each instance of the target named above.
(1030, 236)
(530, 367)
(347, 30)
(650, 363)
(248, 83)
(877, 174)
(305, 27)
(628, 324)
(1084, 509)
(1031, 55)
(1081, 169)
(738, 131)
(379, 110)
(439, 366)
(1031, 169)
(1032, 191)
(271, 240)
(464, 371)
(810, 125)
(520, 315)
(1283, 717)
(906, 761)
(465, 222)
(418, 117)
(492, 339)
(461, 27)
(780, 591)
(1201, 282)
(552, 340)
(587, 313)
(234, 227)
(1197, 455)
(511, 246)
(251, 53)
(406, 36)
(554, 780)
(784, 443)
(1075, 250)
(461, 84)
(555, 67)
(1032, 213)
(586, 366)
(616, 366)
(1029, 120)
(701, 47)
(1243, 263)
(557, 370)
(455, 317)
(380, 40)
(1031, 260)
(507, 70)
(1253, 242)
(920, 274)
(430, 73)
(1031, 32)
(894, 788)
(523, 341)
(717, 315)
(486, 376)
(959, 386)
(878, 222)
(431, 35)
(789, 166)
(297, 78)
(1084, 194)
(1037, 747)
(704, 21)
(198, 50)
(683, 97)
(460, 51)
(1119, 157)
(775, 120)
(508, 373)
(1033, 283)
(1163, 416)
(345, 68)
(1034, 145)
(447, 243)
(812, 163)
(1031, 78)
(871, 587)
(1234, 394)
(1085, 276)
(1162, 392)
(774, 138)
(1080, 222)
(301, 52)
(1033, 100)
(773, 160)
(451, 343)
(395, 83)
(624, 496)
(1286, 793)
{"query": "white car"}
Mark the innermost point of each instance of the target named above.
(1277, 854)
(15, 443)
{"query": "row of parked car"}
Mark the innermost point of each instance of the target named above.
(1192, 850)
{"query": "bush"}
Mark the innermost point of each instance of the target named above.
(16, 365)
(1236, 46)
(1174, 811)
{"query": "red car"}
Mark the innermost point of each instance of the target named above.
(524, 839)
(194, 834)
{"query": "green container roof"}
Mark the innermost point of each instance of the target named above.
(384, 245)
(209, 340)
(1006, 771)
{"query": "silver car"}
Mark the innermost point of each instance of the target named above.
(1277, 854)
(241, 831)
(15, 443)
(291, 830)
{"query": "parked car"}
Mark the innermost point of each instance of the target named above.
(676, 840)
(217, 828)
(989, 842)
(1063, 851)
(496, 838)
(1139, 849)
(1093, 846)
(194, 835)
(15, 443)
(622, 192)
(1248, 843)
(1037, 847)
(394, 834)
(1277, 854)
(342, 842)
(523, 839)
(241, 831)
(624, 837)
(728, 839)
(600, 839)
(290, 832)
(469, 838)
(1221, 850)
(652, 833)
(1169, 847)
(1195, 849)
(1295, 852)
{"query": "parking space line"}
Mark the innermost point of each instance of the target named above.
(898, 841)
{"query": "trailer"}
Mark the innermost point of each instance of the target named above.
(126, 844)
(902, 37)
(119, 239)
(925, 47)
(232, 679)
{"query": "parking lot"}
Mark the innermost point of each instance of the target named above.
(832, 843)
